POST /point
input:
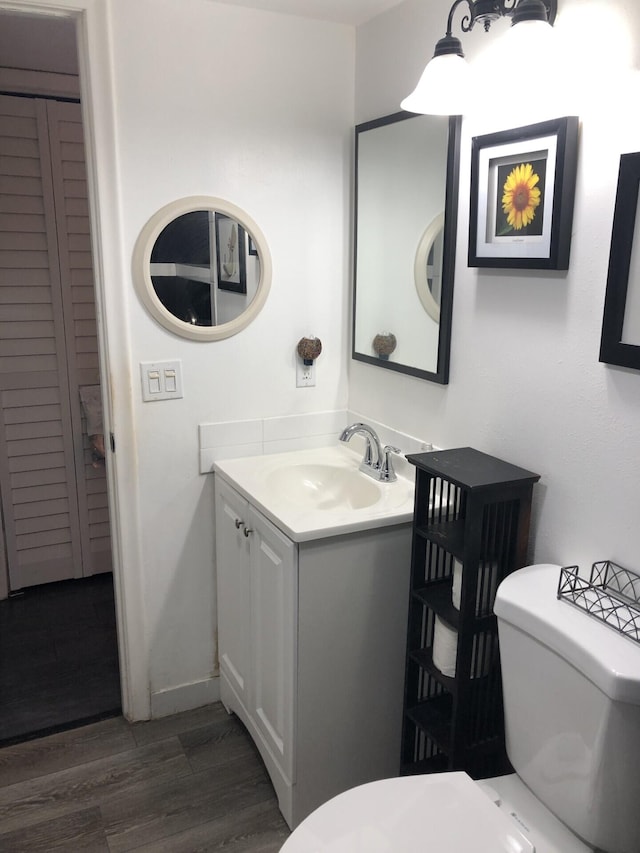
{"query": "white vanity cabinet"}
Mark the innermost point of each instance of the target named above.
(257, 593)
(312, 639)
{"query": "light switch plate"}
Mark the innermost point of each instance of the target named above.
(161, 380)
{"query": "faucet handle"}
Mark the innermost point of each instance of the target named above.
(387, 474)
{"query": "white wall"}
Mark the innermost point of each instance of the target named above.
(526, 384)
(193, 97)
(255, 108)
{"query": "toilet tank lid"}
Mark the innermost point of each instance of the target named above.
(527, 599)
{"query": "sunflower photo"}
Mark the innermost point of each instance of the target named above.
(523, 184)
(520, 198)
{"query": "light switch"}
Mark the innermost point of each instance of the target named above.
(170, 381)
(154, 381)
(161, 380)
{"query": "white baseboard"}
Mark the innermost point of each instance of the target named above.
(185, 697)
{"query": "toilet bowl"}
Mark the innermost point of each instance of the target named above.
(439, 813)
(572, 718)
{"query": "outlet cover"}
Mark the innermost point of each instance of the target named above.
(305, 374)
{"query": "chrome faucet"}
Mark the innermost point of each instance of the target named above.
(376, 462)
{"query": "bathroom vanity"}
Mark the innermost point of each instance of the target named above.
(313, 579)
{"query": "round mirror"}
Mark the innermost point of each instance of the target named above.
(428, 267)
(202, 268)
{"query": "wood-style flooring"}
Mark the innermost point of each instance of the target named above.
(181, 784)
(58, 657)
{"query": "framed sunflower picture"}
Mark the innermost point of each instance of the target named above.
(522, 190)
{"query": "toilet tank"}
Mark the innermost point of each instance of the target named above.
(572, 709)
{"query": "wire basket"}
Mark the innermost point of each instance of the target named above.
(612, 595)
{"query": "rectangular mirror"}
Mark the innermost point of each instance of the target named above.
(406, 202)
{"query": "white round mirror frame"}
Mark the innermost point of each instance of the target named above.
(420, 266)
(141, 262)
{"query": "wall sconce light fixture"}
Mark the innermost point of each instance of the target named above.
(446, 86)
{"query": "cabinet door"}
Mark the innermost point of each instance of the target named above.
(274, 603)
(234, 590)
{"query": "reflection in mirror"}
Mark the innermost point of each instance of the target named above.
(427, 273)
(197, 257)
(406, 209)
(202, 268)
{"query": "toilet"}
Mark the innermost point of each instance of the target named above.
(572, 719)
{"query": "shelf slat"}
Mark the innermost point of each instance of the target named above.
(436, 764)
(424, 659)
(448, 535)
(433, 717)
(437, 596)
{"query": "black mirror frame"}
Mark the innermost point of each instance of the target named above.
(612, 349)
(441, 374)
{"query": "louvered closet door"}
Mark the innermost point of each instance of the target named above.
(78, 298)
(44, 487)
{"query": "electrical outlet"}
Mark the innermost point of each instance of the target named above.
(305, 374)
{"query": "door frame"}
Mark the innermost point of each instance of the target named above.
(111, 273)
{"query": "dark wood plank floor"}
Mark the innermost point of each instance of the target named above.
(58, 657)
(186, 783)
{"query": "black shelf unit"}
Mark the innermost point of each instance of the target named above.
(475, 510)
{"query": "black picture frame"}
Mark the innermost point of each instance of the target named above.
(251, 246)
(523, 185)
(623, 279)
(231, 258)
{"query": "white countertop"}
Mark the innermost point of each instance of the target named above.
(283, 486)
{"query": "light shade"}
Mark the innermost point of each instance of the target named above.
(545, 84)
(443, 88)
(536, 38)
(523, 64)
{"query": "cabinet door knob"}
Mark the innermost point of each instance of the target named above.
(247, 532)
(239, 523)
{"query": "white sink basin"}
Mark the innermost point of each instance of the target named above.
(311, 494)
(324, 486)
